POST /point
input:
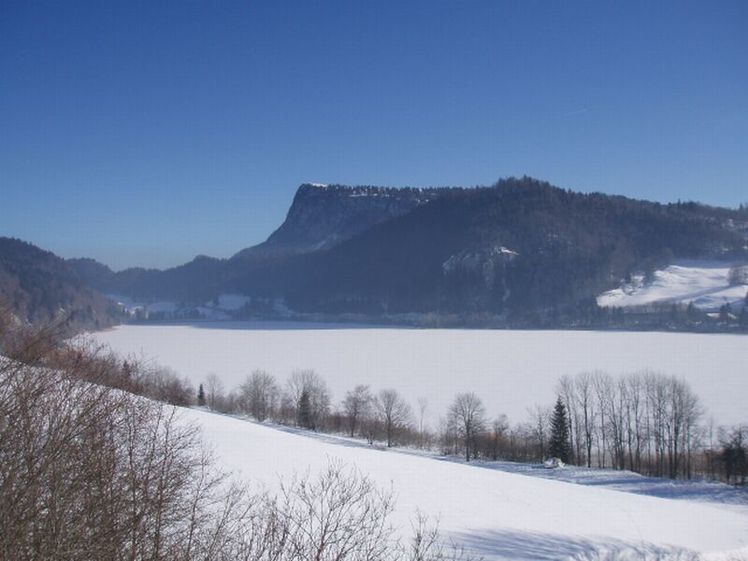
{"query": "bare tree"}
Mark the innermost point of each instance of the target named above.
(499, 429)
(357, 407)
(394, 413)
(541, 420)
(423, 405)
(466, 419)
(259, 395)
(214, 392)
(307, 388)
(588, 411)
(603, 387)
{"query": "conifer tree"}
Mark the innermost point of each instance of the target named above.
(201, 396)
(559, 445)
(304, 414)
(724, 313)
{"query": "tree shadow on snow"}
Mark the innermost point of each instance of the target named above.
(334, 439)
(625, 481)
(494, 545)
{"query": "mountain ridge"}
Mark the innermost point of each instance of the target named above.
(37, 287)
(521, 249)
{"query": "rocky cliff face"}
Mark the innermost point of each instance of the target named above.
(322, 216)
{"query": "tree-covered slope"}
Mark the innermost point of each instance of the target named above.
(37, 286)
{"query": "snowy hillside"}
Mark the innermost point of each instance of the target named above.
(494, 513)
(705, 283)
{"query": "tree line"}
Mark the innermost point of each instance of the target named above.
(645, 422)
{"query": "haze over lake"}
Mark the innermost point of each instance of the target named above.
(509, 370)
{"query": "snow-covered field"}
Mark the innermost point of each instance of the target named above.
(705, 283)
(509, 370)
(496, 513)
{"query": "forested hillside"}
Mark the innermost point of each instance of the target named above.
(37, 286)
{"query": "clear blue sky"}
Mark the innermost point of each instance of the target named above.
(149, 132)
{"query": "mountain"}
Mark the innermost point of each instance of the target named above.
(37, 286)
(520, 252)
(323, 216)
(198, 280)
(519, 247)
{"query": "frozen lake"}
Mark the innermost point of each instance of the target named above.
(509, 370)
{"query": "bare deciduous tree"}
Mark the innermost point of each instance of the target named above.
(423, 405)
(394, 413)
(357, 407)
(259, 395)
(310, 386)
(541, 421)
(214, 392)
(466, 418)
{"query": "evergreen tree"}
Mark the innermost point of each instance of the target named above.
(559, 445)
(724, 313)
(201, 396)
(304, 414)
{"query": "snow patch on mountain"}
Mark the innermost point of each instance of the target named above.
(705, 283)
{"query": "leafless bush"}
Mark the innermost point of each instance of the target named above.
(88, 472)
(165, 385)
(339, 515)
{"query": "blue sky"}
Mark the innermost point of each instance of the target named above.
(149, 132)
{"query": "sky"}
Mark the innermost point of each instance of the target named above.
(145, 133)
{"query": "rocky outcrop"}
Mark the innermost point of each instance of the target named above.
(322, 216)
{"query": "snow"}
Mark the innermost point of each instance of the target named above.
(211, 310)
(629, 482)
(494, 513)
(705, 283)
(510, 370)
